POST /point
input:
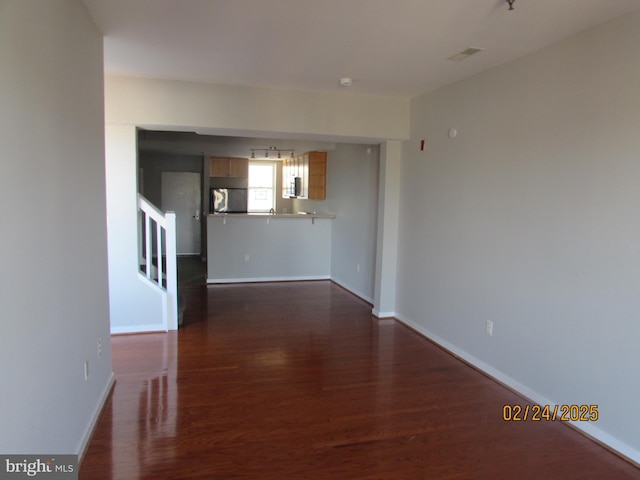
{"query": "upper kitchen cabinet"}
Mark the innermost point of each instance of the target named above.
(317, 175)
(305, 176)
(228, 167)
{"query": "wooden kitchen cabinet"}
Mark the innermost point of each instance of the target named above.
(228, 167)
(238, 167)
(218, 167)
(311, 168)
(317, 175)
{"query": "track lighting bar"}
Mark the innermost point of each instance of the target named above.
(276, 152)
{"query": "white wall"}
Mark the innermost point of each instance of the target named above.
(53, 249)
(278, 248)
(235, 109)
(384, 300)
(529, 218)
(352, 195)
(136, 306)
(231, 110)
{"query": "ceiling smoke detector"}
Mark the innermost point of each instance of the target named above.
(346, 81)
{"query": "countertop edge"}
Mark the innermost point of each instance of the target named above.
(271, 215)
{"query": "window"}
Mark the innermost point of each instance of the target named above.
(262, 184)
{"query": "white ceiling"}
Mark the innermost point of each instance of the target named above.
(388, 47)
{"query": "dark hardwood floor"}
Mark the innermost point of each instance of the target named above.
(298, 381)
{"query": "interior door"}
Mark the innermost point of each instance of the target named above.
(180, 192)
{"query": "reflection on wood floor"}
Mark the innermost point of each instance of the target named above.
(298, 381)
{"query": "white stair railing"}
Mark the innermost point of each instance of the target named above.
(157, 239)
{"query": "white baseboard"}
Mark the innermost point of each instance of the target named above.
(608, 441)
(268, 279)
(379, 314)
(158, 327)
(88, 433)
(358, 294)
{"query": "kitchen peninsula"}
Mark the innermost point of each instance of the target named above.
(250, 247)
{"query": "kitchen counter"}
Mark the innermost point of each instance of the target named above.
(253, 247)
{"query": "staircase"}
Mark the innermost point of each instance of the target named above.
(157, 257)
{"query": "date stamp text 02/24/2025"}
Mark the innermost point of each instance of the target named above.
(538, 413)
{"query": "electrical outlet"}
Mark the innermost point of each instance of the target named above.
(99, 347)
(358, 268)
(489, 328)
(246, 257)
(86, 369)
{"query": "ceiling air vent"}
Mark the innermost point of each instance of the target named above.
(458, 57)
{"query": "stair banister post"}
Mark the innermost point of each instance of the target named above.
(172, 272)
(147, 250)
(159, 252)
